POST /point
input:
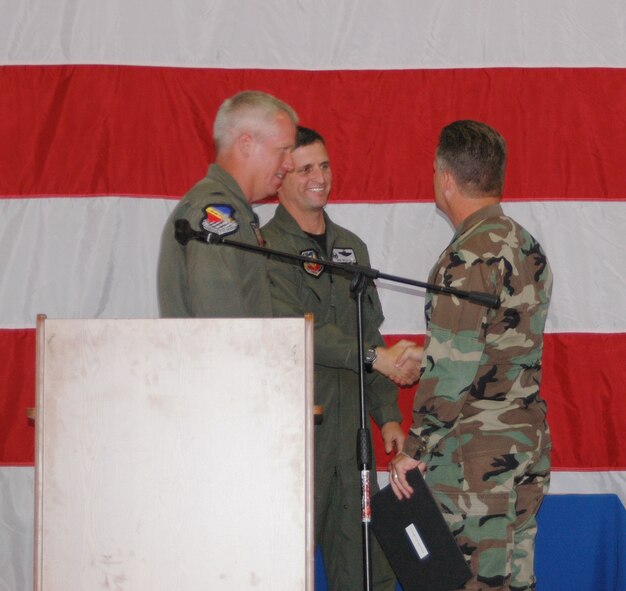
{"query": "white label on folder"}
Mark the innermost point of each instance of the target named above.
(417, 541)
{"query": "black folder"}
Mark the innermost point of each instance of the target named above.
(416, 539)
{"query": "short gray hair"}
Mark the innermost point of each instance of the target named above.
(250, 110)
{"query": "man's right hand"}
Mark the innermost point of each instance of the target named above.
(400, 363)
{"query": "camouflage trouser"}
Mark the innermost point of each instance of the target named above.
(490, 503)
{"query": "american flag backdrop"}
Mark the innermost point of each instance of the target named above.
(106, 113)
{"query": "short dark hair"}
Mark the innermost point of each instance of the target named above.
(306, 136)
(475, 154)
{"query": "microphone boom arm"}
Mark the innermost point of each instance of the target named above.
(184, 233)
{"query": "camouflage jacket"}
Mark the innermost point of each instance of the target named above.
(479, 390)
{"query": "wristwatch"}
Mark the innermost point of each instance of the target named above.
(369, 359)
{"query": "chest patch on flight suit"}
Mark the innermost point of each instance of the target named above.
(312, 268)
(220, 219)
(344, 255)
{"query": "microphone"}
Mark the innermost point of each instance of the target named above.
(183, 232)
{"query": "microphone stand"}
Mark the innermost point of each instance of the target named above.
(184, 233)
(363, 440)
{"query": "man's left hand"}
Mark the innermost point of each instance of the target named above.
(393, 436)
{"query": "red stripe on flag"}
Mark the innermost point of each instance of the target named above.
(582, 384)
(122, 130)
(17, 394)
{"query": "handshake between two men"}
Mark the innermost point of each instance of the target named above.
(401, 363)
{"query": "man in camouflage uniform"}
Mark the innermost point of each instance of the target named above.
(301, 226)
(479, 424)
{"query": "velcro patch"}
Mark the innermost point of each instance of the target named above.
(220, 219)
(312, 268)
(344, 255)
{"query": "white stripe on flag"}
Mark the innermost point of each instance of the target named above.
(325, 35)
(588, 483)
(97, 257)
(572, 483)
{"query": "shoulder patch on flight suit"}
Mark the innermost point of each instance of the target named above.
(312, 268)
(220, 219)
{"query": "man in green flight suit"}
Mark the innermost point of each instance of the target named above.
(254, 135)
(479, 423)
(301, 226)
